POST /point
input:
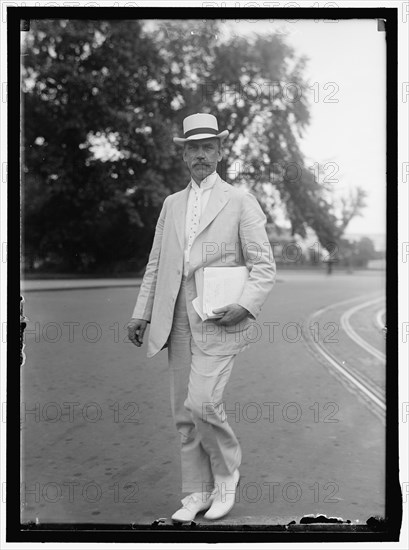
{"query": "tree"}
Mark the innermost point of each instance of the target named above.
(358, 253)
(102, 101)
(87, 80)
(256, 86)
(365, 251)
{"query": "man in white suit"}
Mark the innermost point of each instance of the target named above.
(209, 223)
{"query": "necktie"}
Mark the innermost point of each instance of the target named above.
(194, 222)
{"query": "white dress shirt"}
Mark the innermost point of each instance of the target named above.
(203, 193)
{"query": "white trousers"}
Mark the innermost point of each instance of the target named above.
(197, 381)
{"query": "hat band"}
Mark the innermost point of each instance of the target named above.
(196, 131)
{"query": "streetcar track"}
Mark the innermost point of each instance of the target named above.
(379, 318)
(346, 325)
(357, 382)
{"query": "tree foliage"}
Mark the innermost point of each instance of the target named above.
(359, 253)
(102, 101)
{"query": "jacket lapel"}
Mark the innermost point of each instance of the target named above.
(219, 196)
(179, 214)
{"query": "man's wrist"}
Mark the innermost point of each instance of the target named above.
(248, 312)
(244, 309)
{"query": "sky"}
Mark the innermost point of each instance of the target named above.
(347, 63)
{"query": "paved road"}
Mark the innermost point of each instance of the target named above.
(99, 444)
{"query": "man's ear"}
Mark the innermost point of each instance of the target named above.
(220, 151)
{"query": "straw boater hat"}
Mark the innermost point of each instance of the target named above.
(200, 126)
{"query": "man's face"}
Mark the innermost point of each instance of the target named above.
(201, 157)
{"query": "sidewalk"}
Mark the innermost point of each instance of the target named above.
(76, 284)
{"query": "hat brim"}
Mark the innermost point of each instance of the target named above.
(181, 141)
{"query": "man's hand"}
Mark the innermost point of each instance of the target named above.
(233, 314)
(136, 330)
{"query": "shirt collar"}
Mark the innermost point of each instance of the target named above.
(207, 183)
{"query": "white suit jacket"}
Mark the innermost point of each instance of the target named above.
(231, 232)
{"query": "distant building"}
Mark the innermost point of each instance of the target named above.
(378, 239)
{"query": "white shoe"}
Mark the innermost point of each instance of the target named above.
(224, 495)
(193, 504)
